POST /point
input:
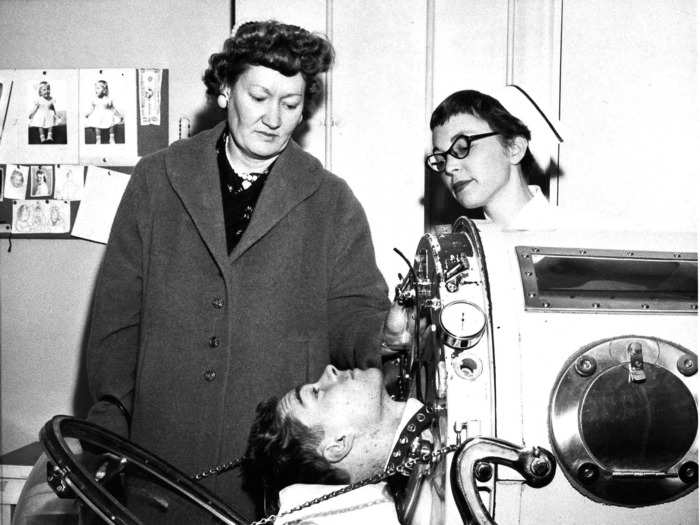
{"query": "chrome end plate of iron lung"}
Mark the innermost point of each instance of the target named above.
(584, 343)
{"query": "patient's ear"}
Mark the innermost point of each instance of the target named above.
(335, 450)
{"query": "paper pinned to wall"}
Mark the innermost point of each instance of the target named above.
(101, 196)
(150, 81)
(44, 106)
(40, 216)
(108, 124)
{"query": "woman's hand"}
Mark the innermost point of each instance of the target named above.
(399, 327)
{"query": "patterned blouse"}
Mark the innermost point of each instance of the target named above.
(239, 194)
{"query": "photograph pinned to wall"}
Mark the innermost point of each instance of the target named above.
(30, 217)
(107, 101)
(47, 115)
(69, 182)
(102, 193)
(47, 124)
(16, 178)
(58, 216)
(41, 181)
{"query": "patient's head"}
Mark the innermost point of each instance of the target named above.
(336, 430)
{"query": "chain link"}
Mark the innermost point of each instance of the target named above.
(218, 469)
(437, 456)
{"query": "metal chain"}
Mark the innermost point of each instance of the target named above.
(218, 469)
(376, 478)
(437, 456)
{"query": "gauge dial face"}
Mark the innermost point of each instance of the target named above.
(463, 323)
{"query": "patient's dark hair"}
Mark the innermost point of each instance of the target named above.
(282, 451)
(482, 106)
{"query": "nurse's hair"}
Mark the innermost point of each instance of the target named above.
(282, 451)
(484, 107)
(285, 48)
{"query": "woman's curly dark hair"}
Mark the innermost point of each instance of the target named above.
(282, 451)
(285, 48)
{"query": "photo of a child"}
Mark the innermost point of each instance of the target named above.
(41, 181)
(46, 124)
(16, 178)
(104, 123)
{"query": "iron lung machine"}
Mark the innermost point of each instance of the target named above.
(559, 369)
(581, 342)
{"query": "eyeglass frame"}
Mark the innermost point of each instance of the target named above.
(449, 151)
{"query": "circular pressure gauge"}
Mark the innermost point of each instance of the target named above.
(462, 324)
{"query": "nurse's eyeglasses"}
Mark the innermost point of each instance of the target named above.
(459, 150)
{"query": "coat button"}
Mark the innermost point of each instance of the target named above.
(218, 302)
(214, 342)
(210, 375)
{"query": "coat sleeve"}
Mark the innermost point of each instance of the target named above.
(114, 330)
(358, 295)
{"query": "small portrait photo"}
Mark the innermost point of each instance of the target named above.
(16, 178)
(41, 181)
(21, 217)
(39, 218)
(30, 216)
(70, 181)
(47, 117)
(58, 216)
(103, 108)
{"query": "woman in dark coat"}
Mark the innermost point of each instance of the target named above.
(237, 268)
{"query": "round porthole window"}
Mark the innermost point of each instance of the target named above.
(623, 421)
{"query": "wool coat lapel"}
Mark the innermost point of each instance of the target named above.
(293, 177)
(192, 169)
(194, 174)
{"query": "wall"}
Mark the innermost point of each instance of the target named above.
(630, 101)
(45, 285)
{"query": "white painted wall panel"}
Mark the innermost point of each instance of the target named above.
(378, 113)
(471, 40)
(629, 102)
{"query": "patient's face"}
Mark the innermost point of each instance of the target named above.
(345, 400)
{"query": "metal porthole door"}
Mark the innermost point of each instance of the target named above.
(623, 421)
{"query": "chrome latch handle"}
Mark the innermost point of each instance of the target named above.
(535, 464)
(636, 363)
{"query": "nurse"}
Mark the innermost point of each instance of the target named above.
(479, 151)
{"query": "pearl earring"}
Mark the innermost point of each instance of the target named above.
(222, 101)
